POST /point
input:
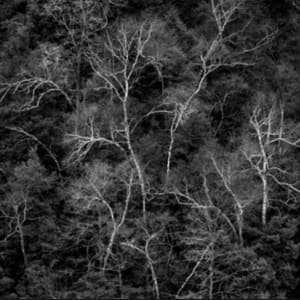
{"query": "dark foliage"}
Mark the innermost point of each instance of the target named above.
(149, 149)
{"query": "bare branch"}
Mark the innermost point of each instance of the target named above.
(238, 205)
(116, 225)
(119, 73)
(280, 139)
(222, 12)
(37, 88)
(145, 252)
(22, 131)
(207, 194)
(83, 144)
(204, 252)
(260, 159)
(287, 185)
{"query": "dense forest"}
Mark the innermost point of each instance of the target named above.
(149, 149)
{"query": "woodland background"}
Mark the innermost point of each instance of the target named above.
(149, 149)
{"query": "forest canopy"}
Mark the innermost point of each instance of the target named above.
(149, 149)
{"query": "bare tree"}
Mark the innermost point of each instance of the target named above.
(146, 252)
(16, 215)
(204, 253)
(268, 142)
(209, 226)
(17, 207)
(203, 241)
(34, 138)
(226, 179)
(49, 76)
(116, 224)
(204, 205)
(215, 55)
(78, 22)
(127, 57)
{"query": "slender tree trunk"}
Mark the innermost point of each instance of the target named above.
(21, 237)
(132, 152)
(78, 92)
(265, 202)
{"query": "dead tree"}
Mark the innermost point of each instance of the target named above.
(225, 176)
(145, 251)
(116, 224)
(214, 56)
(117, 73)
(16, 215)
(48, 77)
(77, 23)
(268, 141)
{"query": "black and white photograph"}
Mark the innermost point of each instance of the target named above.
(149, 149)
